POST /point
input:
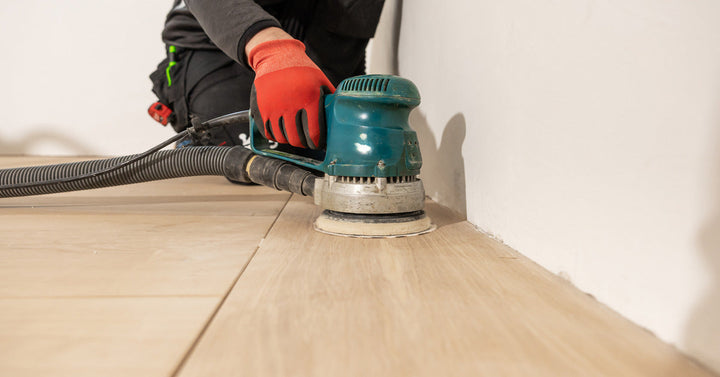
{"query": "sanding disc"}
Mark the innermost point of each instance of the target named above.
(374, 226)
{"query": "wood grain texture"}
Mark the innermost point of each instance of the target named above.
(450, 303)
(112, 336)
(121, 281)
(188, 236)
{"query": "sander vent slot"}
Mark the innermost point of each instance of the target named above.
(366, 85)
(371, 180)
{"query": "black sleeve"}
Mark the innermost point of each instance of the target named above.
(231, 23)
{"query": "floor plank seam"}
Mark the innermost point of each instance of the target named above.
(202, 332)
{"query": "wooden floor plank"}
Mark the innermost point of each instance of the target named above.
(121, 280)
(100, 255)
(131, 336)
(187, 236)
(449, 303)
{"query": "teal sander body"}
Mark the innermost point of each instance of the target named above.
(371, 162)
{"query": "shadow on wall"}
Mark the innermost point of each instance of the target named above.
(24, 146)
(443, 170)
(702, 334)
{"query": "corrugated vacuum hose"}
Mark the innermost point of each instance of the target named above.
(237, 164)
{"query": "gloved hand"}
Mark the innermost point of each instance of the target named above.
(286, 100)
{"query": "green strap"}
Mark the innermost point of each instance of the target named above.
(172, 63)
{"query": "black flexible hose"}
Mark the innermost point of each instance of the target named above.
(184, 162)
(281, 175)
(96, 173)
(238, 164)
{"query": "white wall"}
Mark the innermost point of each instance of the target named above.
(75, 76)
(586, 135)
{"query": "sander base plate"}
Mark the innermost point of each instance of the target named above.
(374, 225)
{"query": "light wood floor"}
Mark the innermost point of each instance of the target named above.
(199, 277)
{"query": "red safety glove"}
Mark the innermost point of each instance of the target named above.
(286, 99)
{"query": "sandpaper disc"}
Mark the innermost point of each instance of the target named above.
(374, 226)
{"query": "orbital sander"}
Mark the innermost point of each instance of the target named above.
(370, 186)
(365, 180)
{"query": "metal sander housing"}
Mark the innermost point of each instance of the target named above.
(370, 195)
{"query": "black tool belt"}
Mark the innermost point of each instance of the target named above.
(173, 81)
(169, 85)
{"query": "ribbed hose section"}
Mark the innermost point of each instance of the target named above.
(184, 162)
